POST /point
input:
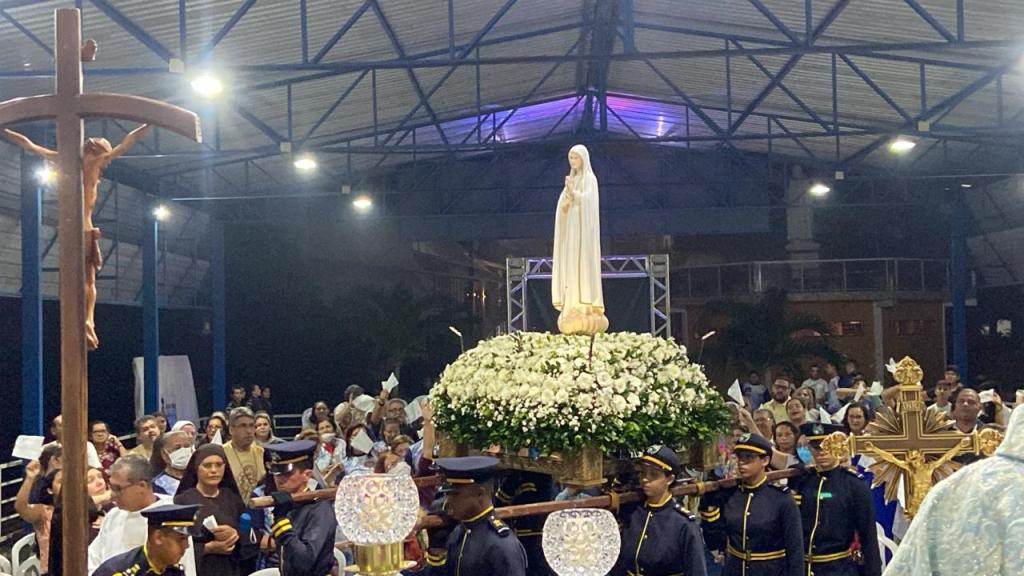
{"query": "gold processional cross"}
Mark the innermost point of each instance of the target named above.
(903, 439)
(69, 107)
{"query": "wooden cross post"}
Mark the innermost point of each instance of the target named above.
(69, 106)
(903, 440)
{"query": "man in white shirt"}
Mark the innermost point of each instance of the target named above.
(124, 527)
(818, 384)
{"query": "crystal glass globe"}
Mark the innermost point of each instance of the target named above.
(376, 508)
(581, 542)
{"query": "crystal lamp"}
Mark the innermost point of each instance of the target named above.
(376, 512)
(581, 542)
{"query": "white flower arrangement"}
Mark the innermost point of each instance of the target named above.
(559, 393)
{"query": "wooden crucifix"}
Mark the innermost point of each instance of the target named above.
(903, 440)
(69, 107)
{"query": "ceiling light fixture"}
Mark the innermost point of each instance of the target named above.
(305, 163)
(161, 212)
(207, 85)
(362, 203)
(819, 189)
(901, 145)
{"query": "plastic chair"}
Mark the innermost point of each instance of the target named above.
(5, 566)
(23, 555)
(267, 572)
(885, 544)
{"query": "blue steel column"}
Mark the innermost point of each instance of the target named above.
(150, 314)
(217, 301)
(958, 287)
(31, 303)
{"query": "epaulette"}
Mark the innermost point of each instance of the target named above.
(130, 571)
(682, 510)
(854, 472)
(783, 489)
(500, 527)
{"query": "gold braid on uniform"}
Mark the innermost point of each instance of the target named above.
(436, 560)
(281, 526)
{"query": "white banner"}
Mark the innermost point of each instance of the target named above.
(177, 389)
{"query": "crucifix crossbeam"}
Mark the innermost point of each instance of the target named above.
(69, 107)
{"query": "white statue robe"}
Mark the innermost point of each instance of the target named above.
(971, 523)
(576, 265)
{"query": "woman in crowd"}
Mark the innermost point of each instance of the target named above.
(187, 427)
(218, 422)
(329, 452)
(806, 395)
(102, 501)
(107, 446)
(34, 501)
(265, 430)
(796, 411)
(356, 460)
(402, 445)
(319, 411)
(856, 419)
(659, 537)
(171, 453)
(209, 483)
(786, 437)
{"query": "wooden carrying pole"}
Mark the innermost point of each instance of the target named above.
(603, 501)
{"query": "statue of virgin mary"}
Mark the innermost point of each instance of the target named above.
(576, 266)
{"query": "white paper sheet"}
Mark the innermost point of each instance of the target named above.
(735, 392)
(390, 384)
(362, 442)
(28, 447)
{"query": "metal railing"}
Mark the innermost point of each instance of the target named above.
(813, 276)
(12, 474)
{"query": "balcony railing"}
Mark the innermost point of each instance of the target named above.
(813, 276)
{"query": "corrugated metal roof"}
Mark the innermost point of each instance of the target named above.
(269, 33)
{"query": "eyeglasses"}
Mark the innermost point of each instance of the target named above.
(117, 489)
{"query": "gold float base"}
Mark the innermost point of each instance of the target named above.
(379, 560)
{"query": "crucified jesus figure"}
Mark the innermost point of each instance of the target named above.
(97, 154)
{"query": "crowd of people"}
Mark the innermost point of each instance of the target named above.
(216, 472)
(218, 469)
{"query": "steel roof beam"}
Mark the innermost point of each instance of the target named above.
(931, 20)
(463, 55)
(830, 17)
(423, 98)
(28, 33)
(779, 24)
(327, 114)
(207, 51)
(342, 31)
(799, 102)
(134, 29)
(878, 89)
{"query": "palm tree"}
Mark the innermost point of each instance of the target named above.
(762, 334)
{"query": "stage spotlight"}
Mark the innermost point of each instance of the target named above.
(819, 189)
(362, 203)
(901, 145)
(161, 212)
(305, 163)
(46, 175)
(207, 85)
(966, 186)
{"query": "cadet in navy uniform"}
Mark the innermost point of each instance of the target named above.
(169, 529)
(480, 544)
(835, 505)
(520, 488)
(303, 532)
(757, 524)
(659, 537)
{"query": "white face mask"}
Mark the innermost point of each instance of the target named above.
(327, 437)
(180, 457)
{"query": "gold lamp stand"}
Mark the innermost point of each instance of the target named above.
(379, 560)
